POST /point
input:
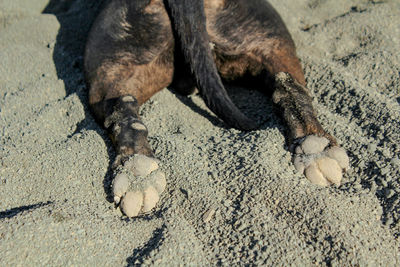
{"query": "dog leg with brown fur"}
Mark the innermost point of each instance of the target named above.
(251, 38)
(125, 65)
(317, 154)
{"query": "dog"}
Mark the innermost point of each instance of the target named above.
(136, 48)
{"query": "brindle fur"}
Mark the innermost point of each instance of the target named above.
(134, 50)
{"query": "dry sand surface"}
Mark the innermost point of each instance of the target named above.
(55, 178)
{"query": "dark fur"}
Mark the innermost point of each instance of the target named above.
(138, 47)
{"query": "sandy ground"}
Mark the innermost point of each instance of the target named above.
(55, 206)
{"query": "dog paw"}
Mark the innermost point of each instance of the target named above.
(138, 184)
(322, 164)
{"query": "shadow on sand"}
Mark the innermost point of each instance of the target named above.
(75, 18)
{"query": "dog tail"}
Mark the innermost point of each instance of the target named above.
(189, 20)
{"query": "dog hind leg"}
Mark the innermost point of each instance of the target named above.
(250, 37)
(125, 64)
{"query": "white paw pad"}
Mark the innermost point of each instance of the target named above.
(321, 164)
(138, 185)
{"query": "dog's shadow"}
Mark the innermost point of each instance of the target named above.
(75, 18)
(253, 103)
(250, 99)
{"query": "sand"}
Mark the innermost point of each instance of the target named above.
(232, 198)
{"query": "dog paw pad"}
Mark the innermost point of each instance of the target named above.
(120, 186)
(138, 185)
(141, 165)
(131, 203)
(313, 144)
(150, 198)
(315, 176)
(339, 154)
(321, 164)
(330, 169)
